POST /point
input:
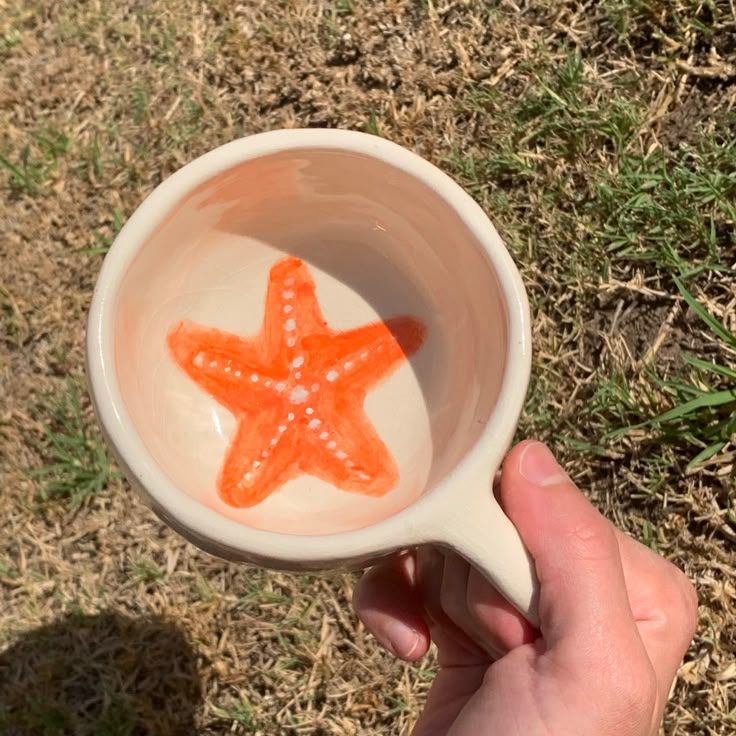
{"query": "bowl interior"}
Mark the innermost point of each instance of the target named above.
(377, 243)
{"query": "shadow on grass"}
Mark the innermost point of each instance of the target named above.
(102, 675)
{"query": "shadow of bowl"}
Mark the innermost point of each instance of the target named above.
(101, 675)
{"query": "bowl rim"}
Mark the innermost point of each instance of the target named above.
(422, 520)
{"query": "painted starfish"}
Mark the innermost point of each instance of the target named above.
(297, 391)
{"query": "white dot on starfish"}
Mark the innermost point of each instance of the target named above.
(199, 360)
(288, 294)
(314, 423)
(298, 395)
(290, 324)
(324, 435)
(309, 410)
(298, 375)
(315, 387)
(238, 374)
(254, 378)
(280, 386)
(331, 445)
(227, 369)
(248, 477)
(349, 464)
(340, 455)
(265, 454)
(298, 362)
(364, 356)
(282, 428)
(213, 364)
(332, 376)
(364, 476)
(256, 463)
(290, 416)
(291, 342)
(274, 442)
(288, 309)
(349, 365)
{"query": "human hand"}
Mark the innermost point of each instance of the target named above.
(615, 621)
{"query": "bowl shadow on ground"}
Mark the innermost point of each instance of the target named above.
(100, 675)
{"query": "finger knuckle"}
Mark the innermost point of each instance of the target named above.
(633, 691)
(591, 539)
(684, 603)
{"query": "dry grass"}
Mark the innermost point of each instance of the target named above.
(600, 136)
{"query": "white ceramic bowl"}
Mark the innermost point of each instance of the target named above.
(382, 233)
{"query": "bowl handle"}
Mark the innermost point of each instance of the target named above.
(476, 528)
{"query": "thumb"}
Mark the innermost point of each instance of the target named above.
(583, 602)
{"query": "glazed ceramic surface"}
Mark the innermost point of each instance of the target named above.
(380, 234)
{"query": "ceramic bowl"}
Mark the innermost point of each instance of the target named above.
(364, 235)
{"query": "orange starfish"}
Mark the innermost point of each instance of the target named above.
(297, 392)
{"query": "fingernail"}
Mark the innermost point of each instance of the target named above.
(538, 465)
(400, 639)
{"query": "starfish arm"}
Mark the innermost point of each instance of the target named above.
(366, 355)
(224, 365)
(345, 450)
(263, 455)
(292, 309)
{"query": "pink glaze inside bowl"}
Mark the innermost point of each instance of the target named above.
(378, 243)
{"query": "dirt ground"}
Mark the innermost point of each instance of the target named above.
(600, 137)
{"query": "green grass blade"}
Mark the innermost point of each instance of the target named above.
(674, 387)
(584, 446)
(20, 178)
(709, 400)
(706, 454)
(721, 370)
(716, 325)
(77, 461)
(92, 251)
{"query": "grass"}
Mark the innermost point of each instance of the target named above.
(145, 571)
(549, 147)
(32, 168)
(77, 462)
(599, 137)
(106, 237)
(703, 412)
(242, 713)
(619, 205)
(372, 126)
(674, 210)
(49, 719)
(82, 675)
(116, 718)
